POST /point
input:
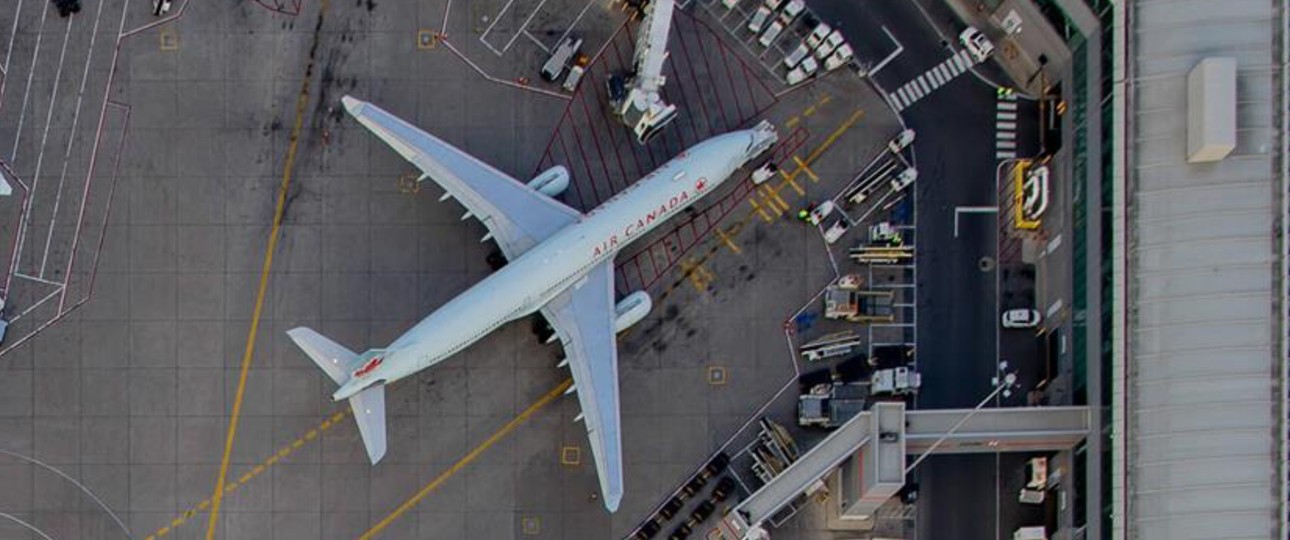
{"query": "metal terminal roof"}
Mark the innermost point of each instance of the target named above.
(1202, 345)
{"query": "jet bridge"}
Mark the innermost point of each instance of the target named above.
(879, 441)
(642, 107)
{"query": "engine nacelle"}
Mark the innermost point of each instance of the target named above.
(552, 182)
(631, 310)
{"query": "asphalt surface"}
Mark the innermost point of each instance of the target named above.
(958, 275)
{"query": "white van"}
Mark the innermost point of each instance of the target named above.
(559, 60)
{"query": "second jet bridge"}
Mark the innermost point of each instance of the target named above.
(879, 441)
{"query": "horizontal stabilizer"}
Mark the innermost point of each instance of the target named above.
(369, 412)
(334, 359)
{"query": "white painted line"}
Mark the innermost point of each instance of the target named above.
(1002, 115)
(1006, 134)
(1005, 125)
(1005, 155)
(960, 63)
(904, 95)
(1009, 97)
(944, 69)
(1005, 144)
(922, 84)
(1006, 105)
(1054, 308)
(915, 91)
(525, 28)
(937, 79)
(483, 37)
(22, 113)
(535, 41)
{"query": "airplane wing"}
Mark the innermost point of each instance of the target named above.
(516, 215)
(583, 318)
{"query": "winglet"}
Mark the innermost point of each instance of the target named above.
(353, 105)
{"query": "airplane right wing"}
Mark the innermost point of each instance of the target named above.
(583, 318)
(516, 215)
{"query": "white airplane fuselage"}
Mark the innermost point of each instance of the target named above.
(527, 283)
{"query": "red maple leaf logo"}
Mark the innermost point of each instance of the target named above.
(702, 183)
(368, 367)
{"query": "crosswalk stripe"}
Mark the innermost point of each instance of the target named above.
(1005, 144)
(935, 78)
(913, 92)
(1004, 155)
(944, 69)
(1007, 134)
(1006, 105)
(1010, 97)
(894, 100)
(922, 84)
(961, 63)
(1005, 125)
(1003, 115)
(904, 95)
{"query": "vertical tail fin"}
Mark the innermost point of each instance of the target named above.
(338, 362)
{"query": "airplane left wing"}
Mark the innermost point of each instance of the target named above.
(583, 318)
(516, 215)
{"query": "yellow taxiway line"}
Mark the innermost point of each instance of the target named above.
(468, 459)
(288, 168)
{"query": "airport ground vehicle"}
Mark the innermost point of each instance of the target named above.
(904, 179)
(830, 405)
(773, 31)
(829, 44)
(830, 346)
(794, 58)
(976, 44)
(895, 381)
(840, 58)
(1021, 318)
(560, 59)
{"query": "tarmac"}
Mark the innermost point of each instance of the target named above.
(190, 190)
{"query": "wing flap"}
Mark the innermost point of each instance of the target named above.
(516, 215)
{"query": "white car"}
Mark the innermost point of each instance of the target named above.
(802, 71)
(820, 212)
(771, 33)
(901, 141)
(1021, 318)
(904, 179)
(758, 20)
(836, 231)
(840, 58)
(817, 35)
(729, 4)
(795, 57)
(764, 173)
(774, 4)
(829, 45)
(976, 43)
(791, 11)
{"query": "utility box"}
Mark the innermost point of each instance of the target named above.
(1211, 110)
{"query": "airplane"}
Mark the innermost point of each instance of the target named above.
(560, 262)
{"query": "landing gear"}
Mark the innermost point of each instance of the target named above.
(495, 260)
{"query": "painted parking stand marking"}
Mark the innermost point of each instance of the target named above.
(1005, 115)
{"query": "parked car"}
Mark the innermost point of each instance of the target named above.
(830, 44)
(758, 20)
(681, 532)
(1021, 318)
(795, 57)
(976, 44)
(803, 71)
(817, 35)
(791, 11)
(67, 7)
(773, 31)
(840, 58)
(647, 531)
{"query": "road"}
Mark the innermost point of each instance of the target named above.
(958, 284)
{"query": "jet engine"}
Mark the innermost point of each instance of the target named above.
(552, 182)
(631, 310)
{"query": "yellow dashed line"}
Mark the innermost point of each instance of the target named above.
(809, 111)
(792, 122)
(330, 422)
(471, 457)
(824, 100)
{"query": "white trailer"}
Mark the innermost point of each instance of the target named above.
(642, 108)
